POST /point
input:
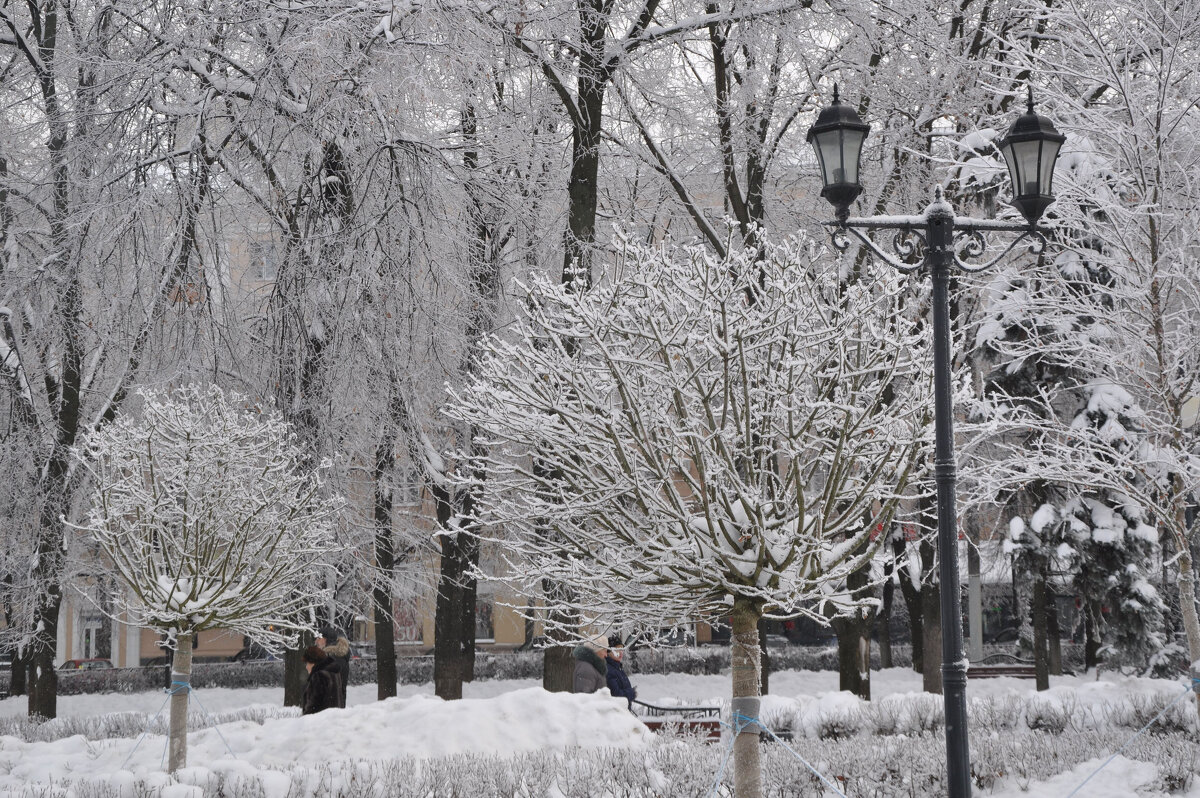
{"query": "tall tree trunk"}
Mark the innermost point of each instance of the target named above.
(64, 387)
(583, 186)
(558, 666)
(181, 679)
(17, 682)
(1053, 635)
(931, 638)
(308, 424)
(294, 672)
(448, 631)
(854, 634)
(385, 564)
(43, 680)
(745, 659)
(854, 654)
(451, 614)
(1040, 654)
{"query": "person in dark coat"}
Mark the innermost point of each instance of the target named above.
(323, 688)
(338, 647)
(618, 681)
(590, 668)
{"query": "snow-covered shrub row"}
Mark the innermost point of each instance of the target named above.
(898, 767)
(834, 716)
(116, 680)
(130, 724)
(715, 658)
(710, 659)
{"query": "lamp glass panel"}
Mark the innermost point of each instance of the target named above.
(852, 142)
(1025, 156)
(816, 145)
(1010, 160)
(1049, 156)
(829, 143)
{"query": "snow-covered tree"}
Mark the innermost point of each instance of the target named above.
(211, 518)
(1123, 79)
(102, 183)
(699, 438)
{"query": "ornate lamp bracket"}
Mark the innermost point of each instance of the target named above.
(910, 239)
(971, 242)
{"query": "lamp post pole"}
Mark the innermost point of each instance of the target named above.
(947, 242)
(939, 257)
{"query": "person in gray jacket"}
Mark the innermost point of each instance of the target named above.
(590, 669)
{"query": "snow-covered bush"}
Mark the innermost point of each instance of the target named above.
(1051, 715)
(927, 713)
(998, 713)
(1142, 708)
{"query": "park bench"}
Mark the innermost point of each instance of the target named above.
(995, 665)
(704, 722)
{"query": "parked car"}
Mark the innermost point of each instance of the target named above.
(95, 664)
(362, 650)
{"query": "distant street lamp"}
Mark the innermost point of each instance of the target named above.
(947, 241)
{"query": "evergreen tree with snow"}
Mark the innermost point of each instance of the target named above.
(1117, 551)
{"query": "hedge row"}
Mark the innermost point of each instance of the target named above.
(488, 665)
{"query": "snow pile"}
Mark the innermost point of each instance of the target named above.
(420, 726)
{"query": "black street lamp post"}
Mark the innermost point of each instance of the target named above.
(948, 242)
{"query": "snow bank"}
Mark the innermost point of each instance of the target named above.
(420, 726)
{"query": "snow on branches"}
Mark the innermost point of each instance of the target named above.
(695, 430)
(210, 516)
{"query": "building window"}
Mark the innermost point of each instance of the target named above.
(485, 626)
(408, 624)
(263, 260)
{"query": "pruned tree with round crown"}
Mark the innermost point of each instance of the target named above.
(699, 438)
(208, 514)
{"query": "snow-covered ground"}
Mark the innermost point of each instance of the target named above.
(508, 717)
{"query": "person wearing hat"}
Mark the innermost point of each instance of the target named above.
(618, 681)
(338, 648)
(323, 689)
(590, 667)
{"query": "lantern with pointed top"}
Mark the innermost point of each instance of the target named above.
(1030, 149)
(837, 137)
